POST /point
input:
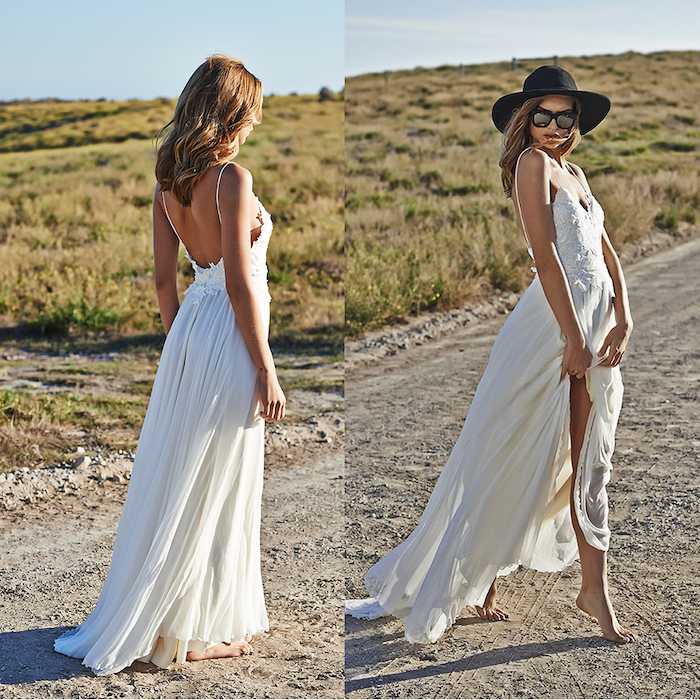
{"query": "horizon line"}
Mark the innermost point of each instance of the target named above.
(519, 58)
(49, 98)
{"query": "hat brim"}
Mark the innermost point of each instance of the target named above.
(594, 106)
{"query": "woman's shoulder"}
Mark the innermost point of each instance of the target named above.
(578, 172)
(233, 173)
(228, 172)
(532, 163)
(228, 177)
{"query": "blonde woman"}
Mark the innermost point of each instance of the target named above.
(184, 581)
(525, 483)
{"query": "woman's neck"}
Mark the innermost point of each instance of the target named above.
(553, 152)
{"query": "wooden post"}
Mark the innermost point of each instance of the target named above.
(386, 78)
(513, 64)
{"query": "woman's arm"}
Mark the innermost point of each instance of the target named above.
(235, 202)
(165, 250)
(531, 189)
(615, 342)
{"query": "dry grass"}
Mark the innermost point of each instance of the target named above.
(76, 184)
(427, 224)
(30, 126)
(41, 429)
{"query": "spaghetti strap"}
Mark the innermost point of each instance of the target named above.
(517, 201)
(165, 208)
(172, 225)
(218, 185)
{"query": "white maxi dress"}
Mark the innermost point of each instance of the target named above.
(185, 570)
(502, 499)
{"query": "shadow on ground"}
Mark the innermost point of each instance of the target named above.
(492, 657)
(28, 656)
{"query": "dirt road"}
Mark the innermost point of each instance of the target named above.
(404, 415)
(54, 557)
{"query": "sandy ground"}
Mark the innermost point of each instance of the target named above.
(404, 415)
(54, 556)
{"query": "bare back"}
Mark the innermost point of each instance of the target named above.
(198, 226)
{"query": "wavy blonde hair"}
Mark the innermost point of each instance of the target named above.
(219, 100)
(517, 138)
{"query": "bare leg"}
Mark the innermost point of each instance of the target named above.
(593, 597)
(489, 611)
(222, 650)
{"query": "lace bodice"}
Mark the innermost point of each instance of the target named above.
(579, 237)
(579, 240)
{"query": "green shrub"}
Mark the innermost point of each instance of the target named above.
(74, 316)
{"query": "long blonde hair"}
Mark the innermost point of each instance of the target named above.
(517, 138)
(219, 100)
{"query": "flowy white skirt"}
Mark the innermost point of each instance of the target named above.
(185, 571)
(502, 498)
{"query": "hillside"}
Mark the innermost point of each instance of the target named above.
(76, 183)
(427, 223)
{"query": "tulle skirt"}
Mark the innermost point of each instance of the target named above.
(502, 498)
(185, 571)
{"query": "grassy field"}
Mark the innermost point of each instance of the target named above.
(52, 402)
(427, 223)
(76, 183)
(79, 322)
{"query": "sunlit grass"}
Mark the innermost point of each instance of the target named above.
(75, 216)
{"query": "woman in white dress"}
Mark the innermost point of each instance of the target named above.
(525, 482)
(184, 581)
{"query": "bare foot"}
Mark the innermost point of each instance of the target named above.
(597, 604)
(489, 611)
(222, 650)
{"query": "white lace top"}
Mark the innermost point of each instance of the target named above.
(579, 238)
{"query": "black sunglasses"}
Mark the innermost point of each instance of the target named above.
(542, 117)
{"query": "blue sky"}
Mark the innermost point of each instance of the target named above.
(394, 34)
(121, 49)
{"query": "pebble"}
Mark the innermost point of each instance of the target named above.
(30, 485)
(80, 462)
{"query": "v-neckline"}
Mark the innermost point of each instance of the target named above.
(573, 196)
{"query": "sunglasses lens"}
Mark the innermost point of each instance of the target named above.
(541, 118)
(565, 121)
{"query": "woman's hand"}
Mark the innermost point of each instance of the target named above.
(615, 344)
(272, 399)
(577, 359)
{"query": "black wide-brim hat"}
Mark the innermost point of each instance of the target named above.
(552, 80)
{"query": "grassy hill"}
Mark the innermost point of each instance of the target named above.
(76, 183)
(427, 223)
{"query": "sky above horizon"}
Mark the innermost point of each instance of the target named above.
(77, 49)
(135, 49)
(397, 34)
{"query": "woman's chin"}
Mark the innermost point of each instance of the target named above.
(550, 143)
